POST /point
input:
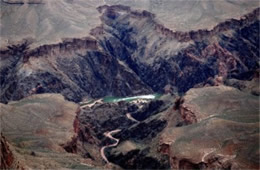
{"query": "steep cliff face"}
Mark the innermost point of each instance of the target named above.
(132, 54)
(74, 68)
(161, 57)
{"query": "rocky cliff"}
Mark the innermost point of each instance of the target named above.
(7, 156)
(38, 127)
(74, 68)
(161, 57)
(224, 134)
(132, 54)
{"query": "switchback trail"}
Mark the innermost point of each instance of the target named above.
(109, 135)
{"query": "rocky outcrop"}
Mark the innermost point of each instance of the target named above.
(149, 110)
(7, 157)
(66, 46)
(10, 159)
(224, 134)
(75, 68)
(180, 60)
(38, 126)
(195, 35)
(250, 86)
(129, 57)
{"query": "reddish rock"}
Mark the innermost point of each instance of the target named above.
(7, 157)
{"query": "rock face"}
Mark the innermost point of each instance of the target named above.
(162, 57)
(132, 54)
(7, 157)
(74, 68)
(224, 135)
(249, 86)
(38, 127)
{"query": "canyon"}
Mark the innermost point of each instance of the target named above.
(129, 85)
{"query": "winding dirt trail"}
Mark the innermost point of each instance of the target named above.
(129, 116)
(91, 104)
(109, 135)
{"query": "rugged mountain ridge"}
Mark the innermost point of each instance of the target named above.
(127, 44)
(194, 35)
(228, 50)
(70, 68)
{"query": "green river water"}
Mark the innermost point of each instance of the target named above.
(111, 99)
